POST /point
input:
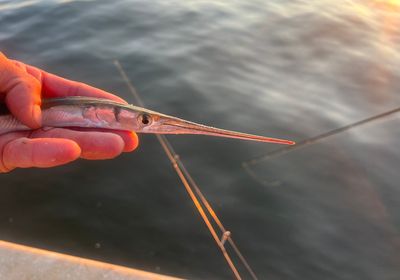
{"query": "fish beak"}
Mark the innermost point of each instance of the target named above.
(171, 125)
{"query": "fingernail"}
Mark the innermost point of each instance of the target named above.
(37, 115)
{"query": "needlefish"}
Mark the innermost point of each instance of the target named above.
(87, 112)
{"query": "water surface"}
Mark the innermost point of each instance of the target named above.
(289, 69)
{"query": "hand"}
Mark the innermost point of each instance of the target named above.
(21, 88)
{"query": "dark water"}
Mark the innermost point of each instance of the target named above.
(290, 69)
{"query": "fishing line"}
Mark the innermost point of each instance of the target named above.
(226, 234)
(189, 184)
(313, 140)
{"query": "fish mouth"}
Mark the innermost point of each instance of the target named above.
(186, 127)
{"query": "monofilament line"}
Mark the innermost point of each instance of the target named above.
(189, 185)
(313, 140)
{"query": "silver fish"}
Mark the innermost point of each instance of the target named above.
(89, 112)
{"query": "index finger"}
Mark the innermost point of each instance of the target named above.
(55, 86)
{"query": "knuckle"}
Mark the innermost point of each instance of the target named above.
(31, 83)
(17, 77)
(22, 82)
(11, 82)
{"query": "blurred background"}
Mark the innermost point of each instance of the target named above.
(289, 69)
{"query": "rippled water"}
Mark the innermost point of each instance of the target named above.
(290, 69)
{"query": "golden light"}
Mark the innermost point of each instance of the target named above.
(394, 2)
(389, 5)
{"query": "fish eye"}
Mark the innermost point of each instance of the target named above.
(145, 119)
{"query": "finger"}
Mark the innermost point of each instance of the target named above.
(18, 64)
(44, 152)
(33, 71)
(21, 91)
(94, 145)
(130, 138)
(55, 86)
(4, 140)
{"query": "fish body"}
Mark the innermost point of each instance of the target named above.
(86, 112)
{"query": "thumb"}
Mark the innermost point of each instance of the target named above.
(21, 92)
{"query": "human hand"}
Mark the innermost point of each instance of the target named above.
(21, 88)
